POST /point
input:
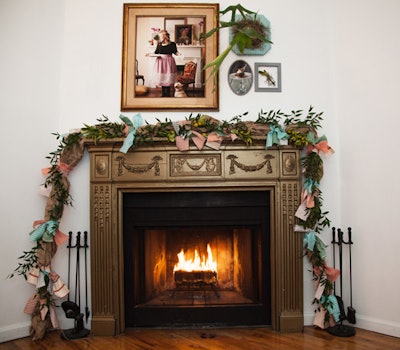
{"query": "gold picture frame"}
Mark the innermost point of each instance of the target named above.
(141, 25)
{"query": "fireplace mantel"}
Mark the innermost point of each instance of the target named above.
(160, 167)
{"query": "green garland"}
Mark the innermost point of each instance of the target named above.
(297, 129)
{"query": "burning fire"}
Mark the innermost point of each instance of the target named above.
(196, 264)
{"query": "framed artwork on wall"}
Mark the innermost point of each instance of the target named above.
(142, 87)
(240, 77)
(268, 77)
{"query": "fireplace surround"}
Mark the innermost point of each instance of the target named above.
(161, 168)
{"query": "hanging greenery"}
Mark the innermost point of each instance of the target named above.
(248, 33)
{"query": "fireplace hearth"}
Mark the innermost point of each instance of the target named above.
(149, 205)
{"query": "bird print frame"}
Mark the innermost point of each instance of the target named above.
(268, 77)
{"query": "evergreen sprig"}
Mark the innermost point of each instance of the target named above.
(271, 117)
(28, 261)
(105, 129)
(312, 118)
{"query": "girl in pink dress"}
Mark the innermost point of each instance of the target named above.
(165, 65)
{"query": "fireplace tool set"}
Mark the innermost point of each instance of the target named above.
(340, 329)
(71, 308)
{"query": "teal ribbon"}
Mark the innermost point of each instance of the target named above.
(309, 184)
(332, 306)
(311, 241)
(311, 138)
(134, 124)
(275, 135)
(45, 231)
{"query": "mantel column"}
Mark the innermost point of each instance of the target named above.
(104, 276)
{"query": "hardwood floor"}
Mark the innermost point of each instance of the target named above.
(213, 339)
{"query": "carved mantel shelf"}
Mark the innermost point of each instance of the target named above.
(161, 167)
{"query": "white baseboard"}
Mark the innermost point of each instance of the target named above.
(15, 331)
(367, 323)
(378, 326)
(21, 330)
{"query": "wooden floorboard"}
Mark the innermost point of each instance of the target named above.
(211, 339)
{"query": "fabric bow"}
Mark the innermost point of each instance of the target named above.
(331, 273)
(32, 304)
(332, 306)
(214, 140)
(275, 135)
(61, 167)
(319, 144)
(133, 125)
(311, 241)
(182, 142)
(198, 139)
(47, 231)
(307, 195)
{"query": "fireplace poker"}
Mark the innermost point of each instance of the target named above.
(69, 246)
(351, 312)
(86, 246)
(341, 304)
(78, 274)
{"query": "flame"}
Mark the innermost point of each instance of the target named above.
(196, 264)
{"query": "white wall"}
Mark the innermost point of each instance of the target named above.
(60, 67)
(367, 86)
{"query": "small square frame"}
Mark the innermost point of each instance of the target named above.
(270, 83)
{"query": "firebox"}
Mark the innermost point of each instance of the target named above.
(197, 258)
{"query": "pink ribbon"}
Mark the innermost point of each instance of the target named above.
(214, 141)
(198, 139)
(62, 167)
(31, 304)
(183, 143)
(321, 146)
(331, 273)
(308, 198)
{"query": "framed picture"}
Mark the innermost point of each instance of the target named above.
(184, 34)
(141, 85)
(268, 77)
(240, 77)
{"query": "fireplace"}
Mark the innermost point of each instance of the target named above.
(153, 206)
(197, 258)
